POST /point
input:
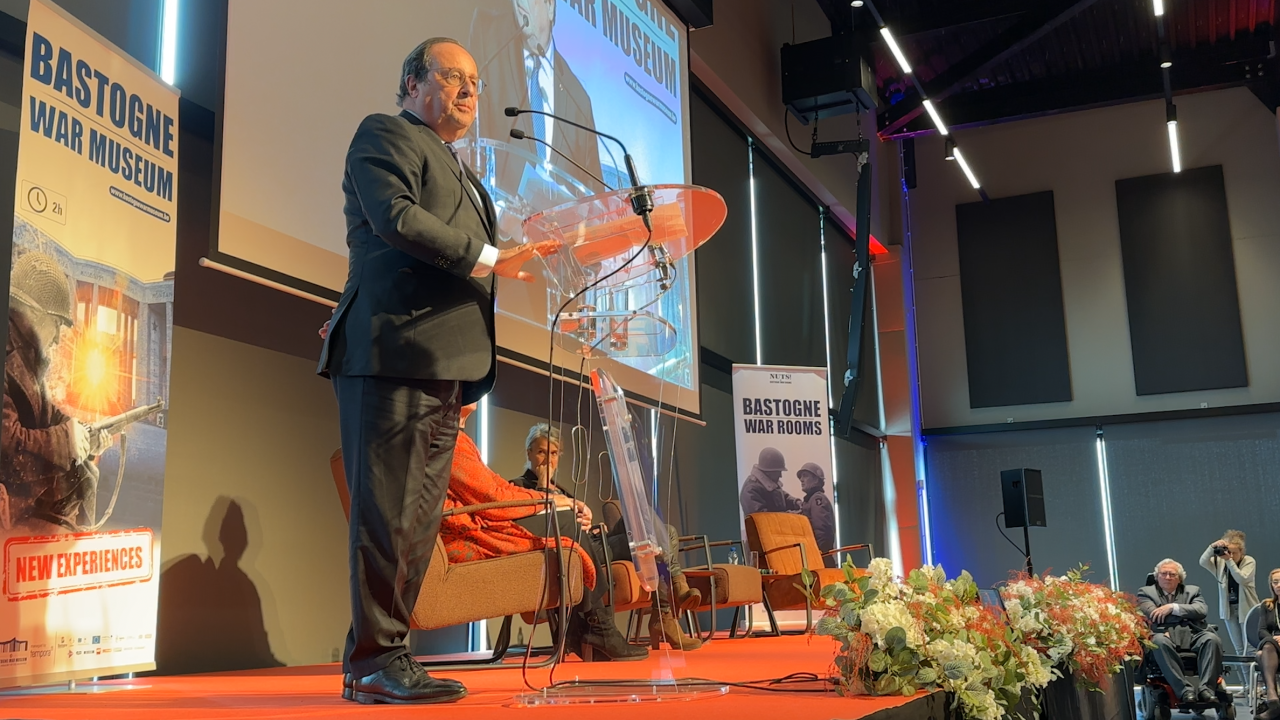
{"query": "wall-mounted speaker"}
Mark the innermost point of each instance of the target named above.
(1023, 492)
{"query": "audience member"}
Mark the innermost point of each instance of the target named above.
(1237, 588)
(1177, 615)
(1268, 647)
(491, 533)
(542, 450)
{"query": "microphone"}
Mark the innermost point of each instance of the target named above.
(641, 196)
(521, 135)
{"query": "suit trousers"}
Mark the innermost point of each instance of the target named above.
(1208, 649)
(397, 441)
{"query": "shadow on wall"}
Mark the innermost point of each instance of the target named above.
(210, 616)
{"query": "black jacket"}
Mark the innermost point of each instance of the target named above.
(410, 308)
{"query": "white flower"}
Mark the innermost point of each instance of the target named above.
(881, 573)
(880, 617)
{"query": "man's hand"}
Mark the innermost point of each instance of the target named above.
(324, 330)
(99, 443)
(80, 445)
(511, 260)
(1162, 612)
(584, 514)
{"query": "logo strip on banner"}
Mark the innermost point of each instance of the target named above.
(90, 333)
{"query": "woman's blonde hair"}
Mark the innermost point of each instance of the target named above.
(1270, 602)
(1234, 537)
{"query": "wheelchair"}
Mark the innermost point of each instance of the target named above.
(1157, 701)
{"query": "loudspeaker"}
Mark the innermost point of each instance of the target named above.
(1023, 493)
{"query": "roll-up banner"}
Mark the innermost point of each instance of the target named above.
(783, 440)
(82, 446)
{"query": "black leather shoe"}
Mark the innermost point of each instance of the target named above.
(405, 682)
(1187, 696)
(349, 694)
(1206, 696)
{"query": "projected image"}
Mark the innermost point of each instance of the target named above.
(619, 66)
(608, 67)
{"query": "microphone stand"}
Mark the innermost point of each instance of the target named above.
(519, 134)
(641, 196)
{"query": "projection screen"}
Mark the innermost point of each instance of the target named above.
(302, 74)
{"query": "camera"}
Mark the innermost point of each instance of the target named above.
(1220, 550)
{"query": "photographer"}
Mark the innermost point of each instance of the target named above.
(1237, 592)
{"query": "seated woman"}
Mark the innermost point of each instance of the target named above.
(491, 533)
(542, 448)
(1268, 647)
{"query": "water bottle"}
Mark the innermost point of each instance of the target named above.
(733, 556)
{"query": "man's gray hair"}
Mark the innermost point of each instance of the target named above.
(542, 431)
(1182, 572)
(417, 63)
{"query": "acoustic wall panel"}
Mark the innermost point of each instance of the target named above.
(1180, 282)
(1015, 330)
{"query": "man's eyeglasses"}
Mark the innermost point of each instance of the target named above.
(453, 77)
(1167, 574)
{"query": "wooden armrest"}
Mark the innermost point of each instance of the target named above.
(470, 509)
(849, 548)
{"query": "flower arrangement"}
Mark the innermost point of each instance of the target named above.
(926, 632)
(1086, 628)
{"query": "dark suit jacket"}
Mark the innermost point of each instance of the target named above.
(1180, 627)
(497, 44)
(410, 308)
(529, 481)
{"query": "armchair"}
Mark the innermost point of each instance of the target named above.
(786, 547)
(456, 593)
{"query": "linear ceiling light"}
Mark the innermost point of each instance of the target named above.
(1159, 7)
(1172, 124)
(897, 51)
(973, 180)
(937, 119)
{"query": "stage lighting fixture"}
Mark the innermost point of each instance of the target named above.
(973, 180)
(1172, 123)
(1166, 59)
(856, 3)
(897, 51)
(951, 149)
(1159, 7)
(937, 119)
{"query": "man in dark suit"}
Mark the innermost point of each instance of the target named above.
(522, 68)
(410, 343)
(1177, 615)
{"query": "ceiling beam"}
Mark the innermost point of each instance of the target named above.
(1029, 27)
(952, 14)
(1209, 68)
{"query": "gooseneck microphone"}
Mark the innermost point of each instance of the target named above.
(522, 135)
(641, 196)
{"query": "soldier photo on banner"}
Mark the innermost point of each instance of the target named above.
(72, 386)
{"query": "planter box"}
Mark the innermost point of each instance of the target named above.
(1064, 699)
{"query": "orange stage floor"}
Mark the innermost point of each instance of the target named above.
(313, 692)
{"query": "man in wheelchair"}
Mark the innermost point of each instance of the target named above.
(1177, 614)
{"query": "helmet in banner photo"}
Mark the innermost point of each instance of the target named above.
(771, 460)
(39, 282)
(814, 469)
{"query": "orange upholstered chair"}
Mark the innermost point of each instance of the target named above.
(457, 593)
(786, 546)
(723, 585)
